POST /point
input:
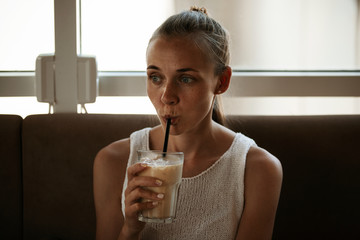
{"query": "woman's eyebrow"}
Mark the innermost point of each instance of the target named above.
(153, 67)
(181, 70)
(187, 70)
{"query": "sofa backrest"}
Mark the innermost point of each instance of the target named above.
(59, 151)
(320, 156)
(10, 177)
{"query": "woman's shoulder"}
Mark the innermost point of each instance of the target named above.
(114, 155)
(108, 174)
(260, 162)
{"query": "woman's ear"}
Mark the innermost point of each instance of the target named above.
(224, 81)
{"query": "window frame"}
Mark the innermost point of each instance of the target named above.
(243, 84)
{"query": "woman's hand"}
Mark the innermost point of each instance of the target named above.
(134, 192)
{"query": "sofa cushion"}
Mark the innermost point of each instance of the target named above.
(10, 177)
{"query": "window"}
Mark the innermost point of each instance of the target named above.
(117, 32)
(266, 35)
(295, 35)
(283, 52)
(27, 29)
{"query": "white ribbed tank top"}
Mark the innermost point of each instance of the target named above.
(210, 204)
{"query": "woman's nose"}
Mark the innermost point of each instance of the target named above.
(169, 95)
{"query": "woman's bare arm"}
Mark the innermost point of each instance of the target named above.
(109, 173)
(263, 179)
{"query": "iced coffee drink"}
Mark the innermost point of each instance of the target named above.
(168, 168)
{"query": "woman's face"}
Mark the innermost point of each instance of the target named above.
(181, 83)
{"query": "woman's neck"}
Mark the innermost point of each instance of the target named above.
(211, 140)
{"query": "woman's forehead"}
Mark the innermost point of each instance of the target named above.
(175, 49)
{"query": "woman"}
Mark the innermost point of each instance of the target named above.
(230, 187)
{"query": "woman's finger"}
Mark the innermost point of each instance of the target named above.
(135, 169)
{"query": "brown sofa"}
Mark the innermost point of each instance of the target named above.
(46, 172)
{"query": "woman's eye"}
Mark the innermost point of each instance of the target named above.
(186, 80)
(155, 79)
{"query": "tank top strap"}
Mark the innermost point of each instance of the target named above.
(139, 140)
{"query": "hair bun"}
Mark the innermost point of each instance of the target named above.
(198, 9)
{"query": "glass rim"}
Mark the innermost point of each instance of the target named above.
(160, 152)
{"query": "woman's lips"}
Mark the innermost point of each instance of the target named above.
(173, 119)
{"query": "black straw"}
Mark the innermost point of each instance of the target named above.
(168, 123)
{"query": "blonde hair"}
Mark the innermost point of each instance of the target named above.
(208, 35)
